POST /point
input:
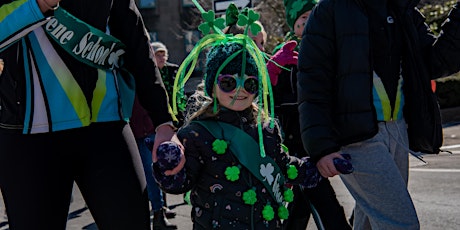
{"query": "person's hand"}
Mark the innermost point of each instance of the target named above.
(2, 64)
(167, 133)
(178, 168)
(283, 57)
(326, 165)
(46, 5)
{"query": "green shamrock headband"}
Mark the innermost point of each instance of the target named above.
(212, 28)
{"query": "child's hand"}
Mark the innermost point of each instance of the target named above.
(178, 168)
(284, 57)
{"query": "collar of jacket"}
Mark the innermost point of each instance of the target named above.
(399, 5)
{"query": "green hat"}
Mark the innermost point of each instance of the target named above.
(218, 55)
(295, 8)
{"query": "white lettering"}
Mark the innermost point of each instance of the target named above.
(94, 49)
(276, 189)
(87, 49)
(59, 31)
(51, 24)
(66, 37)
(81, 46)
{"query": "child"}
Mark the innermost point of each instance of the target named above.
(236, 166)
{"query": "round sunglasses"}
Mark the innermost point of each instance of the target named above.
(228, 83)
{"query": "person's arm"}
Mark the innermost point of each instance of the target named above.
(127, 25)
(18, 18)
(316, 83)
(190, 164)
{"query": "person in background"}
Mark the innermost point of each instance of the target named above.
(364, 89)
(74, 68)
(144, 132)
(321, 201)
(168, 72)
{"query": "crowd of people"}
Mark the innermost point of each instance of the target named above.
(87, 97)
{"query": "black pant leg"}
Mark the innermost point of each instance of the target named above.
(36, 181)
(299, 211)
(325, 202)
(111, 179)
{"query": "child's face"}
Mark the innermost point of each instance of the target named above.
(234, 93)
(300, 23)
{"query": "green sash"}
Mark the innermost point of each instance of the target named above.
(246, 149)
(94, 48)
(84, 42)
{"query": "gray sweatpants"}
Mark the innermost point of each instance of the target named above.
(379, 181)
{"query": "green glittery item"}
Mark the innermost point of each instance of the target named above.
(219, 146)
(284, 148)
(250, 197)
(288, 195)
(249, 21)
(292, 172)
(283, 213)
(268, 212)
(232, 173)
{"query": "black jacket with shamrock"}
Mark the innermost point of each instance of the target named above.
(218, 202)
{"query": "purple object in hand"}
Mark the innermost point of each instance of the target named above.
(168, 155)
(344, 166)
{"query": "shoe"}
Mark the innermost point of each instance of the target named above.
(169, 213)
(161, 222)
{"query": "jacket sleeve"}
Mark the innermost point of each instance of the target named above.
(17, 19)
(127, 25)
(316, 82)
(193, 164)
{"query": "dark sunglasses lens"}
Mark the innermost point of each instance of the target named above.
(251, 85)
(227, 84)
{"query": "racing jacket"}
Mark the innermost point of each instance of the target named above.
(49, 90)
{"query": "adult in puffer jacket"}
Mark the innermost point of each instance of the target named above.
(73, 67)
(364, 89)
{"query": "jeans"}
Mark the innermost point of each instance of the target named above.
(154, 192)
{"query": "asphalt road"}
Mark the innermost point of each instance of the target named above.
(434, 187)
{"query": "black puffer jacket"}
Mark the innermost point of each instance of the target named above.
(335, 75)
(217, 202)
